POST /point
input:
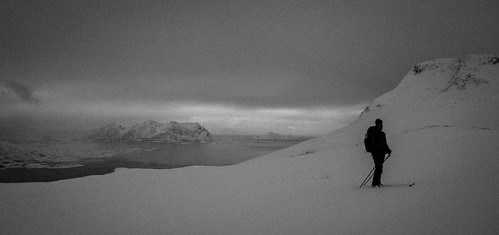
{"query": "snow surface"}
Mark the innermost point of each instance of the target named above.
(439, 138)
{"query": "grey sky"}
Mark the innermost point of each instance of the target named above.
(132, 58)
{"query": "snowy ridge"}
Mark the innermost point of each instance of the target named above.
(152, 131)
(454, 92)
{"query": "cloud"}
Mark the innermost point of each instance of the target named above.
(22, 92)
(297, 121)
(59, 111)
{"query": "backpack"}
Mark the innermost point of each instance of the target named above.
(368, 142)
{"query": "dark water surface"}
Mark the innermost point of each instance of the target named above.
(213, 154)
(222, 151)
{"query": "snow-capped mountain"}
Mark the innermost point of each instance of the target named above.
(153, 131)
(449, 92)
(111, 131)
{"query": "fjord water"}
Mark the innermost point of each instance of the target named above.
(74, 158)
(223, 151)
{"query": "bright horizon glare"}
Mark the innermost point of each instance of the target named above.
(59, 113)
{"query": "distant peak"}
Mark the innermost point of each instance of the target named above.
(113, 125)
(152, 122)
(154, 131)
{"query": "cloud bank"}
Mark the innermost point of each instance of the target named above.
(234, 66)
(12, 91)
(65, 112)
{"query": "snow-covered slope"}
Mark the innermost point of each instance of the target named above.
(153, 131)
(432, 126)
(449, 92)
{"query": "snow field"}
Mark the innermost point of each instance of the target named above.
(313, 193)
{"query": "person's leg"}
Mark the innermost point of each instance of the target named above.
(378, 163)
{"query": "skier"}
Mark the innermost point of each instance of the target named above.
(376, 140)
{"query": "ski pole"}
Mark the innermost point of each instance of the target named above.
(369, 176)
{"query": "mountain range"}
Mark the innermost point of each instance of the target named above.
(152, 131)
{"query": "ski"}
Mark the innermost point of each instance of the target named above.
(400, 185)
(396, 185)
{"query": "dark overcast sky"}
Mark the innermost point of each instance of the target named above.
(72, 60)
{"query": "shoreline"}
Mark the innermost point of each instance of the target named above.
(89, 168)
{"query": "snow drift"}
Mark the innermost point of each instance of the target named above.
(439, 123)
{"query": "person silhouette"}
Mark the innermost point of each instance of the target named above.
(378, 148)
